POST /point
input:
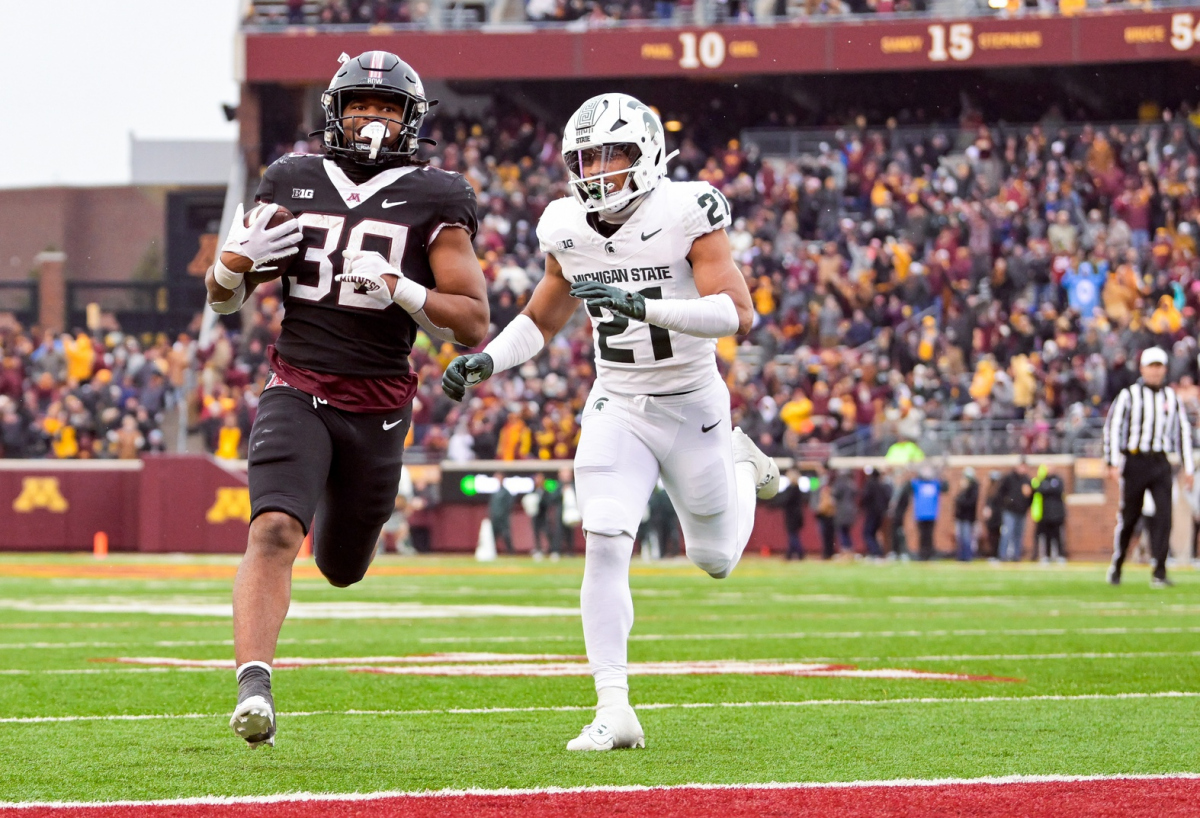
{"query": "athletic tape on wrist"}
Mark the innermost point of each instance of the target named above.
(410, 295)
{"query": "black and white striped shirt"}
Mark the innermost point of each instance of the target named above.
(1143, 420)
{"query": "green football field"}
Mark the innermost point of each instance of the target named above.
(1078, 678)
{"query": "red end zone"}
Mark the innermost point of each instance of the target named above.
(1145, 797)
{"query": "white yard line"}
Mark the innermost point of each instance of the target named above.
(219, 800)
(168, 643)
(479, 711)
(915, 634)
(298, 610)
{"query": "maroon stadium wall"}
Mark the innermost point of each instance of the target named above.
(193, 504)
(803, 47)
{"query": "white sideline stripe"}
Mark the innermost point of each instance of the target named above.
(704, 637)
(226, 800)
(570, 708)
(298, 610)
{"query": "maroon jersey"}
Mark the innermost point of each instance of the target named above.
(335, 343)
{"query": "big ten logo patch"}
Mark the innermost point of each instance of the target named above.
(40, 492)
(231, 504)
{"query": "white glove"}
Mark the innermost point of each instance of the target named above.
(259, 243)
(365, 270)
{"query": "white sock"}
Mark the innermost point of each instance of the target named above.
(606, 606)
(747, 498)
(263, 665)
(612, 697)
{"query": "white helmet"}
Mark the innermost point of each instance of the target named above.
(614, 124)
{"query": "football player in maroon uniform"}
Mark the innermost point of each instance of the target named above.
(381, 245)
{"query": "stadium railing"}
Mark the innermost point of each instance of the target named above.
(985, 437)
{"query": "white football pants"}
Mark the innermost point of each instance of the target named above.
(626, 444)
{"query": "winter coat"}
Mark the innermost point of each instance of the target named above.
(966, 502)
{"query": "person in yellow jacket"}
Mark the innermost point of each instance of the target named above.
(229, 438)
(1166, 320)
(515, 439)
(81, 357)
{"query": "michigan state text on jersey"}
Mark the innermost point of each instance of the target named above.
(381, 245)
(651, 260)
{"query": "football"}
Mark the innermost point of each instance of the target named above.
(241, 264)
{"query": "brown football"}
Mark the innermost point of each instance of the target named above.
(241, 264)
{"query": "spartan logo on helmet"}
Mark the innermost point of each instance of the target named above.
(648, 119)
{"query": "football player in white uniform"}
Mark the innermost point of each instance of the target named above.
(651, 259)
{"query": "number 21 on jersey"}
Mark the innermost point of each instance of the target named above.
(397, 234)
(660, 339)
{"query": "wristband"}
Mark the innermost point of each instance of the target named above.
(227, 278)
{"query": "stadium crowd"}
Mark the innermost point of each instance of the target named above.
(603, 12)
(972, 274)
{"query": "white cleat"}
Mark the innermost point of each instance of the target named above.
(254, 721)
(614, 728)
(767, 484)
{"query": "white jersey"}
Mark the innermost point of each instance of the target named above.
(648, 255)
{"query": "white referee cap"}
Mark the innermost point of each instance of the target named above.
(1154, 355)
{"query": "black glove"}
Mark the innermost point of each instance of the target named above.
(464, 371)
(625, 302)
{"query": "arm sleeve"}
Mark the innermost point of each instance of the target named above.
(457, 209)
(1112, 428)
(713, 316)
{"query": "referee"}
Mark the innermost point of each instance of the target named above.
(1144, 424)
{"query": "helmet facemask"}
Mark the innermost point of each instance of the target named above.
(344, 134)
(599, 193)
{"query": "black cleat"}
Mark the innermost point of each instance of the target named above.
(254, 717)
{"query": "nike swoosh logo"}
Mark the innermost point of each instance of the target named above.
(710, 428)
(392, 425)
(648, 236)
(387, 204)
